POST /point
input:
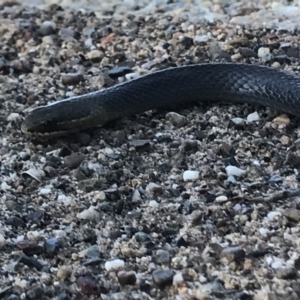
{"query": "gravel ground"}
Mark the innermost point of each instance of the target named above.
(196, 203)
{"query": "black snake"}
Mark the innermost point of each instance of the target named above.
(222, 82)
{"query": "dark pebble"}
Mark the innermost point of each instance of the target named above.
(15, 222)
(35, 293)
(142, 237)
(126, 278)
(119, 72)
(71, 78)
(248, 53)
(73, 161)
(286, 273)
(163, 278)
(88, 286)
(187, 42)
(93, 251)
(236, 254)
(28, 261)
(30, 247)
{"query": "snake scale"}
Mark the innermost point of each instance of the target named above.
(220, 82)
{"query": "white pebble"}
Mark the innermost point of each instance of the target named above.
(221, 198)
(131, 76)
(89, 214)
(253, 117)
(61, 198)
(262, 51)
(114, 264)
(153, 204)
(202, 279)
(237, 207)
(273, 214)
(45, 191)
(190, 175)
(13, 117)
(264, 231)
(238, 121)
(234, 171)
(5, 186)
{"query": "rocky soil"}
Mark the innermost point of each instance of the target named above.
(192, 203)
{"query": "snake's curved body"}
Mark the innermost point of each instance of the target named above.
(225, 82)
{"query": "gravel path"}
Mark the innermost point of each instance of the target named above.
(196, 203)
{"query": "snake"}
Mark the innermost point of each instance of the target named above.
(206, 82)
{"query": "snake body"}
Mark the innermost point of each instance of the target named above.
(220, 82)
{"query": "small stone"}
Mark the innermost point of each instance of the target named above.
(45, 191)
(71, 78)
(238, 121)
(163, 278)
(52, 246)
(282, 120)
(154, 188)
(190, 175)
(286, 273)
(162, 256)
(93, 252)
(88, 286)
(15, 222)
(95, 56)
(64, 272)
(273, 214)
(73, 161)
(30, 247)
(34, 293)
(28, 261)
(47, 28)
(142, 237)
(126, 278)
(253, 117)
(233, 254)
(285, 140)
(234, 171)
(221, 199)
(114, 265)
(262, 51)
(89, 214)
(275, 179)
(178, 280)
(292, 214)
(176, 119)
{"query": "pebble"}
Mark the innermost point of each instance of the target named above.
(282, 120)
(126, 277)
(95, 56)
(52, 246)
(154, 188)
(89, 214)
(292, 214)
(238, 121)
(263, 51)
(64, 272)
(176, 119)
(162, 256)
(71, 78)
(47, 28)
(190, 175)
(73, 161)
(234, 171)
(163, 278)
(114, 265)
(253, 117)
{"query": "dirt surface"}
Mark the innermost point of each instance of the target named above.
(197, 203)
